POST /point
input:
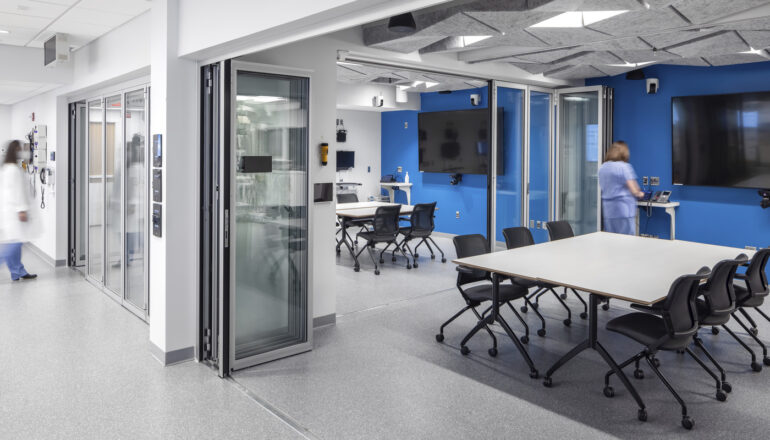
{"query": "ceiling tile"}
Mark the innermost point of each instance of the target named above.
(704, 11)
(576, 72)
(640, 22)
(628, 43)
(31, 9)
(757, 24)
(643, 56)
(589, 5)
(408, 44)
(457, 25)
(494, 53)
(567, 36)
(507, 21)
(551, 55)
(666, 39)
(756, 39)
(718, 44)
(23, 21)
(533, 68)
(736, 58)
(697, 61)
(615, 70)
(126, 7)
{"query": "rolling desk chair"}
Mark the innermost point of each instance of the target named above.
(518, 237)
(673, 330)
(421, 227)
(363, 224)
(474, 296)
(384, 230)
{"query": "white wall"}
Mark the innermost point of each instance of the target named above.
(364, 136)
(5, 123)
(359, 97)
(320, 57)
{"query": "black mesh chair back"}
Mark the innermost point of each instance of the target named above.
(719, 291)
(470, 246)
(385, 223)
(756, 277)
(422, 219)
(347, 198)
(518, 237)
(559, 230)
(679, 311)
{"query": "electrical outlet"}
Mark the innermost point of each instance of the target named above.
(655, 181)
(457, 214)
(539, 224)
(751, 248)
(645, 180)
(406, 125)
(400, 169)
(532, 224)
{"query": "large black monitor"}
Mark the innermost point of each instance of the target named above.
(721, 140)
(457, 142)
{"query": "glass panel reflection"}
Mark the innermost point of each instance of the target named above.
(113, 194)
(270, 214)
(509, 178)
(136, 197)
(95, 190)
(539, 160)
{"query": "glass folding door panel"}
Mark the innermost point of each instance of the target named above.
(113, 194)
(540, 131)
(510, 152)
(95, 190)
(136, 197)
(81, 199)
(269, 217)
(579, 158)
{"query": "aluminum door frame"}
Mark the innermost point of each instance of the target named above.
(552, 171)
(603, 96)
(228, 223)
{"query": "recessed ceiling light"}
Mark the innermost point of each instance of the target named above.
(4, 31)
(473, 39)
(627, 64)
(429, 84)
(753, 51)
(576, 19)
(417, 83)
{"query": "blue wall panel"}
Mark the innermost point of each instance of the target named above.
(724, 216)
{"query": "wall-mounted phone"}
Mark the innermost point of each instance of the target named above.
(657, 197)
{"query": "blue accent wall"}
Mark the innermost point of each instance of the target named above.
(723, 216)
(400, 148)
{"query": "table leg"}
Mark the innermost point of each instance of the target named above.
(637, 221)
(391, 194)
(408, 192)
(494, 314)
(672, 213)
(593, 343)
(346, 239)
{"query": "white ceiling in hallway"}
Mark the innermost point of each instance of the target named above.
(31, 22)
(682, 32)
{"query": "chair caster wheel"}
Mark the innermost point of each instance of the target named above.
(415, 265)
(432, 257)
(523, 309)
(393, 259)
(656, 362)
(382, 261)
(754, 331)
(439, 338)
(721, 396)
(541, 332)
(338, 251)
(534, 374)
(408, 266)
(757, 367)
(535, 306)
(584, 315)
(357, 268)
(377, 272)
(714, 331)
(642, 415)
(547, 382)
(766, 361)
(465, 350)
(639, 374)
(416, 256)
(563, 296)
(492, 352)
(688, 422)
(524, 339)
(567, 322)
(443, 260)
(679, 351)
(609, 392)
(726, 387)
(605, 307)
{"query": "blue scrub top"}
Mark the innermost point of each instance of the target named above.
(617, 200)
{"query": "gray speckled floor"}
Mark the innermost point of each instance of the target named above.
(76, 365)
(380, 374)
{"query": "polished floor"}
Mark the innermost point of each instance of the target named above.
(76, 365)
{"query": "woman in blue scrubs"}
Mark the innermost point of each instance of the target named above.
(620, 190)
(15, 221)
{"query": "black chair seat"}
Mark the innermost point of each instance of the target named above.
(646, 329)
(508, 292)
(373, 237)
(408, 230)
(745, 299)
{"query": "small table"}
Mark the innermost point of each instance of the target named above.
(347, 212)
(393, 186)
(670, 208)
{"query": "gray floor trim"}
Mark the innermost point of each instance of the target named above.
(321, 321)
(172, 357)
(43, 256)
(280, 415)
(444, 234)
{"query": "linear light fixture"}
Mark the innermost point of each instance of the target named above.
(576, 19)
(429, 84)
(627, 64)
(753, 51)
(473, 39)
(3, 31)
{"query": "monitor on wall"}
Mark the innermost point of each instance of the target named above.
(345, 160)
(457, 142)
(721, 140)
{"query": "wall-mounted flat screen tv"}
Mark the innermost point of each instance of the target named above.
(721, 140)
(345, 160)
(457, 142)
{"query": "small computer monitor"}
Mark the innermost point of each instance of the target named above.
(345, 160)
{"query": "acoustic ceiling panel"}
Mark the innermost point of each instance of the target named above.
(576, 72)
(668, 39)
(644, 56)
(408, 44)
(756, 24)
(507, 21)
(704, 11)
(589, 5)
(628, 43)
(757, 39)
(494, 53)
(533, 68)
(549, 55)
(721, 43)
(640, 22)
(736, 58)
(687, 62)
(567, 36)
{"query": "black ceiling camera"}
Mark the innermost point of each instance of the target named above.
(765, 203)
(454, 179)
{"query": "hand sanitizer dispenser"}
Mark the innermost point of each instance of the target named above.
(406, 178)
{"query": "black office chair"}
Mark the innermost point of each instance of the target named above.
(519, 237)
(384, 230)
(673, 330)
(347, 198)
(474, 296)
(752, 295)
(421, 226)
(714, 310)
(363, 225)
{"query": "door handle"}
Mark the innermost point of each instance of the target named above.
(227, 228)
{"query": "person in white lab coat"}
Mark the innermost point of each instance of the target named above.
(15, 220)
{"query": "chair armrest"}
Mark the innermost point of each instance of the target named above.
(648, 309)
(741, 276)
(465, 270)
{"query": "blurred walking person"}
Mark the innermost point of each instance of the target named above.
(15, 221)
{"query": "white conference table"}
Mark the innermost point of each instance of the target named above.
(348, 212)
(635, 269)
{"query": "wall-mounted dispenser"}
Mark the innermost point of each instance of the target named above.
(324, 153)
